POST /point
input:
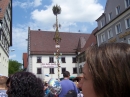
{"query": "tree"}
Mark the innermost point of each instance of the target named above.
(14, 66)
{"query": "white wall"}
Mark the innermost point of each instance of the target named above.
(45, 71)
(3, 63)
(4, 59)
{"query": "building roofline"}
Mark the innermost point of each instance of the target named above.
(100, 16)
(112, 20)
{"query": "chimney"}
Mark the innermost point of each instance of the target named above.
(39, 29)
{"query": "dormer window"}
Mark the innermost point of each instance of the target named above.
(110, 16)
(102, 23)
(127, 3)
(118, 28)
(127, 22)
(110, 34)
(103, 37)
(117, 10)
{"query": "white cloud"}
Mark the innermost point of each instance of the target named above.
(22, 4)
(12, 56)
(16, 3)
(84, 28)
(20, 34)
(37, 2)
(72, 11)
(19, 37)
(27, 4)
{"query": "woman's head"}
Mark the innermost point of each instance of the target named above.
(25, 84)
(109, 68)
(3, 80)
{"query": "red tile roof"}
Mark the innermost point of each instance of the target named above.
(81, 44)
(91, 40)
(25, 58)
(3, 6)
(41, 42)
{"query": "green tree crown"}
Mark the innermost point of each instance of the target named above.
(56, 9)
(14, 66)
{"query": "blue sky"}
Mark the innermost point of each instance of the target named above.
(37, 14)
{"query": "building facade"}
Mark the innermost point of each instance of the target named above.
(114, 23)
(81, 57)
(45, 66)
(41, 53)
(5, 34)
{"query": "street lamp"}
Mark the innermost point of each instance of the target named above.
(57, 10)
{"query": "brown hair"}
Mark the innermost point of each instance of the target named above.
(66, 74)
(109, 65)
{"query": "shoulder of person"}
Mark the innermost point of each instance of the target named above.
(3, 90)
(3, 93)
(71, 93)
(64, 80)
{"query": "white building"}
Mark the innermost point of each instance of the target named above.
(45, 69)
(41, 49)
(114, 23)
(5, 34)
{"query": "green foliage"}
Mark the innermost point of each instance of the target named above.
(14, 66)
(56, 10)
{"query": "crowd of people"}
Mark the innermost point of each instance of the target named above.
(106, 73)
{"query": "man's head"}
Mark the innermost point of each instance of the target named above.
(66, 74)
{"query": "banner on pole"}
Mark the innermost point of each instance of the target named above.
(49, 65)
